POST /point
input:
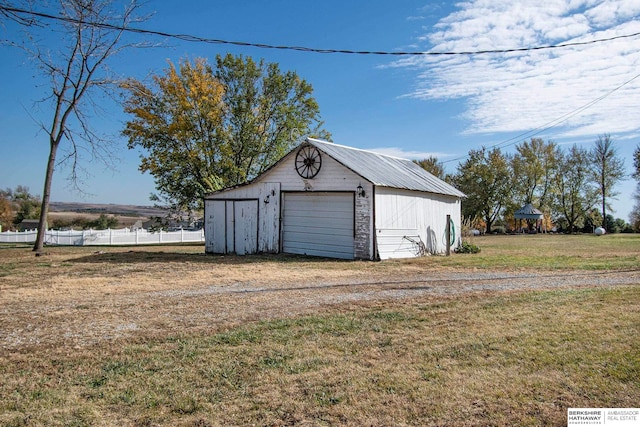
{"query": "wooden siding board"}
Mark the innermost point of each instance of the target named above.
(246, 226)
(218, 221)
(332, 177)
(266, 196)
(269, 213)
(401, 209)
(230, 229)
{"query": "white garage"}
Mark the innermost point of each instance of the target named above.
(324, 199)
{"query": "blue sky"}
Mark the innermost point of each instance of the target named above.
(409, 106)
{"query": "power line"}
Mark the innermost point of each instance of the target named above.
(15, 12)
(551, 124)
(198, 39)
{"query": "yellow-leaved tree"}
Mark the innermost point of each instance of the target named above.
(178, 123)
(201, 129)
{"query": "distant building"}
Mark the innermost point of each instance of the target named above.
(28, 224)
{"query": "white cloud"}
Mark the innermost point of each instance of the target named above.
(525, 90)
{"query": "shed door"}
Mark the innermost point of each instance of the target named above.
(320, 224)
(245, 227)
(232, 226)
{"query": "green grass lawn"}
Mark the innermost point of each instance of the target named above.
(555, 252)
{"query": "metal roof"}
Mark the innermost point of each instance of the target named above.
(528, 212)
(386, 171)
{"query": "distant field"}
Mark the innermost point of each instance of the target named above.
(123, 221)
(166, 336)
(109, 209)
(127, 215)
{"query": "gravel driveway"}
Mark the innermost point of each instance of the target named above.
(80, 320)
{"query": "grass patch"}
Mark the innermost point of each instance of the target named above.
(509, 359)
(549, 252)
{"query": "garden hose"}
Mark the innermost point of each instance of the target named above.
(452, 235)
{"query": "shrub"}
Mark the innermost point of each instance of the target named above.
(468, 248)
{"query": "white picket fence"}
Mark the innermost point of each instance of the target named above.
(123, 237)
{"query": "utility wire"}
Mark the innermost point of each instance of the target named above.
(553, 123)
(198, 39)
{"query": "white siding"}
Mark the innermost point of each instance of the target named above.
(215, 226)
(267, 197)
(410, 222)
(245, 226)
(231, 226)
(332, 177)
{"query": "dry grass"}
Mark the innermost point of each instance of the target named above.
(169, 336)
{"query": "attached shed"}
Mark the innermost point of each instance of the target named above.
(329, 200)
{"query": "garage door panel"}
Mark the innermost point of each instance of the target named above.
(318, 224)
(320, 238)
(325, 205)
(303, 231)
(330, 251)
(301, 224)
(321, 213)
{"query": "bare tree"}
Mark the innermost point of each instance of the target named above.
(91, 34)
(8, 12)
(607, 170)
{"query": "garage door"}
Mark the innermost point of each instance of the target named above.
(319, 224)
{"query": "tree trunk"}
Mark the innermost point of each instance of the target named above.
(489, 224)
(38, 247)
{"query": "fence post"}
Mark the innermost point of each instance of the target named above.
(137, 240)
(110, 236)
(181, 235)
(160, 236)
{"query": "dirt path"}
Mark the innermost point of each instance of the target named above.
(82, 311)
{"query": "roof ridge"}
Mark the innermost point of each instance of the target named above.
(321, 141)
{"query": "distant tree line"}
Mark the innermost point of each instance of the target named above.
(19, 204)
(573, 187)
(103, 222)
